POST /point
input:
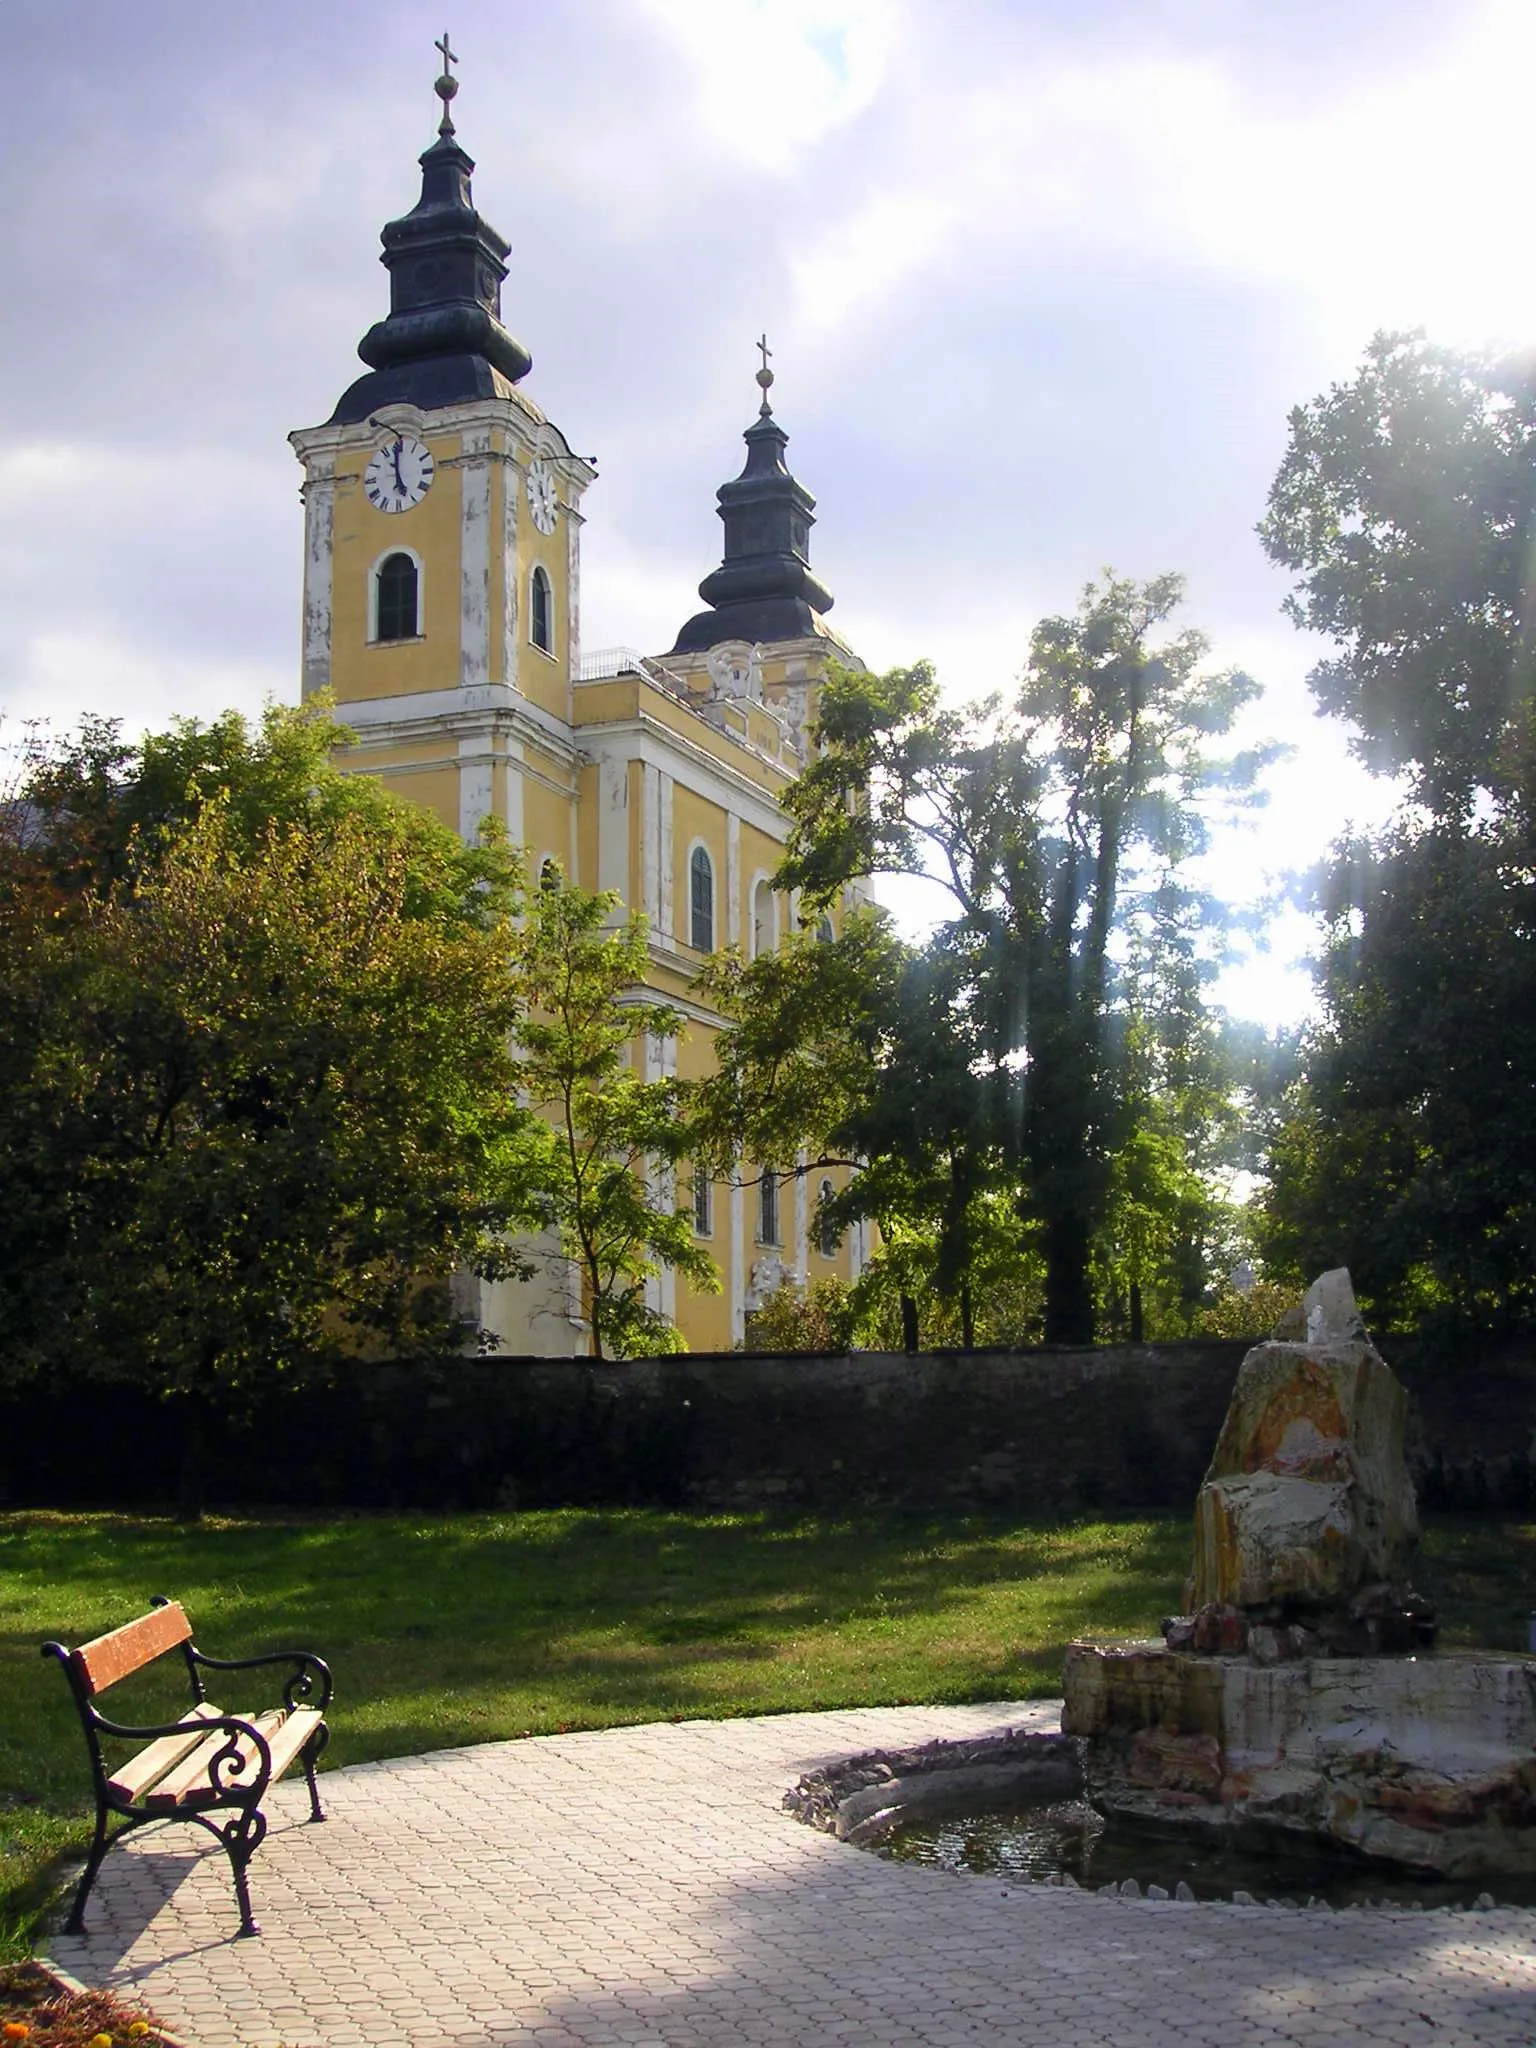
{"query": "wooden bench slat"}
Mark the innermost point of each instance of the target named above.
(141, 1771)
(106, 1659)
(189, 1784)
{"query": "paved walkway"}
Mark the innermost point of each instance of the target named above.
(641, 1886)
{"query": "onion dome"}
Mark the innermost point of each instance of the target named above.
(443, 342)
(763, 589)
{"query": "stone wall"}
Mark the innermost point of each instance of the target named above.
(1042, 1433)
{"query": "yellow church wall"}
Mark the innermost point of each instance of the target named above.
(544, 678)
(546, 824)
(361, 668)
(696, 822)
(437, 789)
(705, 1319)
(587, 784)
(604, 703)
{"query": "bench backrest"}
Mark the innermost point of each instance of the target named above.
(105, 1659)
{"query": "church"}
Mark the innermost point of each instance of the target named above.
(442, 611)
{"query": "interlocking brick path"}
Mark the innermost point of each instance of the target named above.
(642, 1886)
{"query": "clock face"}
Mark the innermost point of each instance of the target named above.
(399, 475)
(541, 496)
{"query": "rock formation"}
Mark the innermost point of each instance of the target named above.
(1292, 1698)
(1306, 1524)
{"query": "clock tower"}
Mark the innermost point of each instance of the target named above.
(442, 524)
(442, 521)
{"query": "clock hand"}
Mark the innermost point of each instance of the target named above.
(395, 455)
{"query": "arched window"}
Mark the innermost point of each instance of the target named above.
(824, 932)
(763, 919)
(767, 1210)
(703, 1203)
(549, 873)
(826, 1229)
(701, 902)
(541, 624)
(396, 610)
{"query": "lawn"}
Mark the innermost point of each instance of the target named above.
(472, 1628)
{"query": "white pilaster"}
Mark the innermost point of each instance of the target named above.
(475, 784)
(511, 498)
(573, 588)
(802, 1192)
(650, 845)
(667, 923)
(319, 571)
(475, 560)
(514, 818)
(733, 880)
(612, 827)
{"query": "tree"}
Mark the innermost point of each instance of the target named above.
(615, 1135)
(1406, 505)
(1054, 822)
(258, 1101)
(1406, 1150)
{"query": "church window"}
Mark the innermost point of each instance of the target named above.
(703, 1204)
(826, 1229)
(701, 901)
(768, 1209)
(542, 621)
(397, 610)
(824, 931)
(549, 874)
(763, 919)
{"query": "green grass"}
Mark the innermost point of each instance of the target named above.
(454, 1629)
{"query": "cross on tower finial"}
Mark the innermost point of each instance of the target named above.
(764, 376)
(447, 85)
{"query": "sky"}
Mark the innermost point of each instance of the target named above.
(1042, 281)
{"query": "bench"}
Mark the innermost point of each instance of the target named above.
(209, 1767)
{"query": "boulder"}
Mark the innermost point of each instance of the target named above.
(1307, 1501)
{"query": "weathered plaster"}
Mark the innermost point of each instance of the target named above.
(475, 561)
(319, 530)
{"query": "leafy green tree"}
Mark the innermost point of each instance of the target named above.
(1053, 821)
(258, 1094)
(615, 1136)
(1407, 1150)
(1406, 507)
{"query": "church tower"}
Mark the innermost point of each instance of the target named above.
(442, 520)
(442, 534)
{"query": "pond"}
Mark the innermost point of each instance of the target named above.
(1066, 1839)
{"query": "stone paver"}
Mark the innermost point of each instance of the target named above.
(641, 1888)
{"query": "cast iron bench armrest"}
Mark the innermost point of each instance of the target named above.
(307, 1671)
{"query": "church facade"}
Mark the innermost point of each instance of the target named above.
(442, 611)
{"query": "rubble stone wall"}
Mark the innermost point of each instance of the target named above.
(1038, 1433)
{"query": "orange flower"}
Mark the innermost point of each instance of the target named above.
(100, 2041)
(15, 2030)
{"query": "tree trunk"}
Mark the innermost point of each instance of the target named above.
(191, 1480)
(1068, 1290)
(1137, 1335)
(908, 1323)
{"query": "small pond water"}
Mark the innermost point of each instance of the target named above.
(1036, 1843)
